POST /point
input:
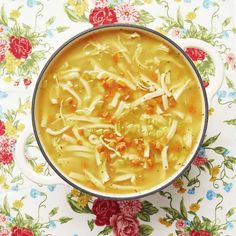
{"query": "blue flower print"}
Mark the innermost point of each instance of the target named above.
(187, 222)
(229, 225)
(51, 187)
(232, 95)
(226, 152)
(227, 187)
(210, 195)
(225, 34)
(221, 94)
(191, 191)
(52, 224)
(3, 94)
(206, 3)
(117, 2)
(34, 193)
(31, 3)
(15, 188)
(202, 152)
(10, 218)
(49, 33)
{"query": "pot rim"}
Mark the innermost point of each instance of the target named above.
(187, 162)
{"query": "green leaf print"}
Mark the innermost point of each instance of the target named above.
(64, 220)
(210, 140)
(53, 212)
(61, 29)
(3, 16)
(73, 16)
(145, 17)
(220, 150)
(76, 208)
(231, 159)
(143, 216)
(51, 20)
(6, 206)
(148, 207)
(91, 224)
(226, 21)
(173, 212)
(183, 210)
(229, 165)
(107, 230)
(229, 82)
(230, 212)
(145, 230)
(180, 19)
(230, 122)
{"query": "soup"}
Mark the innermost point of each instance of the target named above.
(119, 111)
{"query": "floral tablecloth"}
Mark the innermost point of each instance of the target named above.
(200, 203)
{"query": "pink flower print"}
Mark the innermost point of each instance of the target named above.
(180, 224)
(230, 58)
(199, 161)
(126, 13)
(233, 65)
(3, 220)
(5, 232)
(4, 45)
(101, 3)
(176, 32)
(132, 207)
(183, 234)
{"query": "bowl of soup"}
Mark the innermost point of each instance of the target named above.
(120, 111)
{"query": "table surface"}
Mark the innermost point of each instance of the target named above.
(200, 203)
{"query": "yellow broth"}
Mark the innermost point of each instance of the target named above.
(119, 111)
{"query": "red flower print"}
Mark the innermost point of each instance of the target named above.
(199, 161)
(102, 16)
(104, 210)
(20, 47)
(205, 83)
(3, 48)
(126, 13)
(180, 224)
(124, 225)
(17, 231)
(2, 128)
(6, 152)
(130, 207)
(202, 232)
(231, 58)
(196, 54)
(27, 82)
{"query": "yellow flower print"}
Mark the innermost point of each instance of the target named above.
(14, 14)
(191, 16)
(181, 190)
(7, 79)
(159, 29)
(211, 111)
(18, 204)
(165, 222)
(2, 179)
(21, 127)
(74, 192)
(38, 168)
(147, 1)
(194, 207)
(178, 183)
(81, 8)
(72, 2)
(178, 0)
(170, 234)
(5, 186)
(10, 129)
(11, 63)
(83, 200)
(214, 171)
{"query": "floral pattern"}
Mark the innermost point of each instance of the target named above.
(199, 203)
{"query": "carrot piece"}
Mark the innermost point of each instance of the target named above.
(158, 147)
(116, 57)
(150, 162)
(192, 109)
(150, 109)
(101, 148)
(105, 114)
(78, 142)
(154, 76)
(136, 162)
(172, 102)
(121, 147)
(176, 147)
(81, 132)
